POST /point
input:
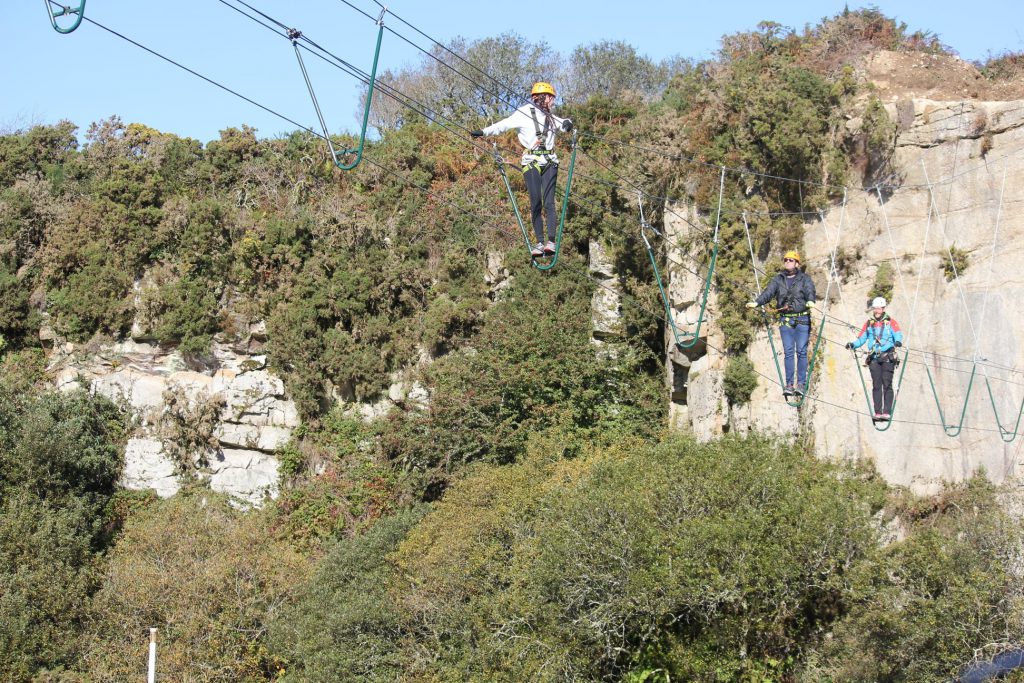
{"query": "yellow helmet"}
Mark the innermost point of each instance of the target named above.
(540, 87)
(793, 254)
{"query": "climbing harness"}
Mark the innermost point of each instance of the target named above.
(65, 10)
(294, 35)
(500, 163)
(691, 337)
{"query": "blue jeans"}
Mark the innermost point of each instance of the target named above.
(794, 342)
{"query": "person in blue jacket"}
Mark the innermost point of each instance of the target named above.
(882, 335)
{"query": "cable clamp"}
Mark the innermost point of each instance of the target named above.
(294, 34)
(380, 19)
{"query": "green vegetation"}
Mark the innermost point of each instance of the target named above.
(739, 379)
(60, 456)
(209, 576)
(955, 262)
(884, 283)
(1007, 66)
(519, 513)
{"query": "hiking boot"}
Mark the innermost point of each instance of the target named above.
(549, 248)
(799, 390)
(538, 250)
(788, 391)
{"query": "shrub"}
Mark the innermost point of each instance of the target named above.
(692, 561)
(186, 311)
(739, 379)
(884, 282)
(954, 262)
(178, 566)
(524, 374)
(60, 456)
(922, 607)
(345, 626)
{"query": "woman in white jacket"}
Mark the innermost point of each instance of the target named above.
(536, 126)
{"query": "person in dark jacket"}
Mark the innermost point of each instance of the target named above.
(793, 292)
(882, 335)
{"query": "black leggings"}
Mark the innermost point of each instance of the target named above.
(881, 384)
(541, 186)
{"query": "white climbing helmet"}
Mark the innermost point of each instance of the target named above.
(878, 302)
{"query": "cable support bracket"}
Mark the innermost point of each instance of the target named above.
(380, 19)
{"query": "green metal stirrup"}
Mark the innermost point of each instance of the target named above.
(691, 337)
(64, 11)
(895, 398)
(500, 163)
(1003, 432)
(294, 36)
(956, 429)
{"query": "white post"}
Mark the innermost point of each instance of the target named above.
(152, 656)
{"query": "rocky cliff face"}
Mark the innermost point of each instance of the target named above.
(222, 424)
(953, 163)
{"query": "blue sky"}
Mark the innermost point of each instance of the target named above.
(89, 75)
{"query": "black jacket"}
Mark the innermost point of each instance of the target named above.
(791, 295)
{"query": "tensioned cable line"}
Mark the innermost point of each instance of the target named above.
(497, 94)
(318, 51)
(513, 104)
(742, 287)
(834, 319)
(610, 170)
(692, 159)
(314, 133)
(1004, 432)
(201, 76)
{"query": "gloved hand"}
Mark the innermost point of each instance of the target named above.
(897, 344)
(567, 126)
(849, 345)
(477, 133)
(810, 304)
(751, 304)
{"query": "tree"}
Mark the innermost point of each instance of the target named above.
(60, 456)
(209, 576)
(611, 68)
(485, 81)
